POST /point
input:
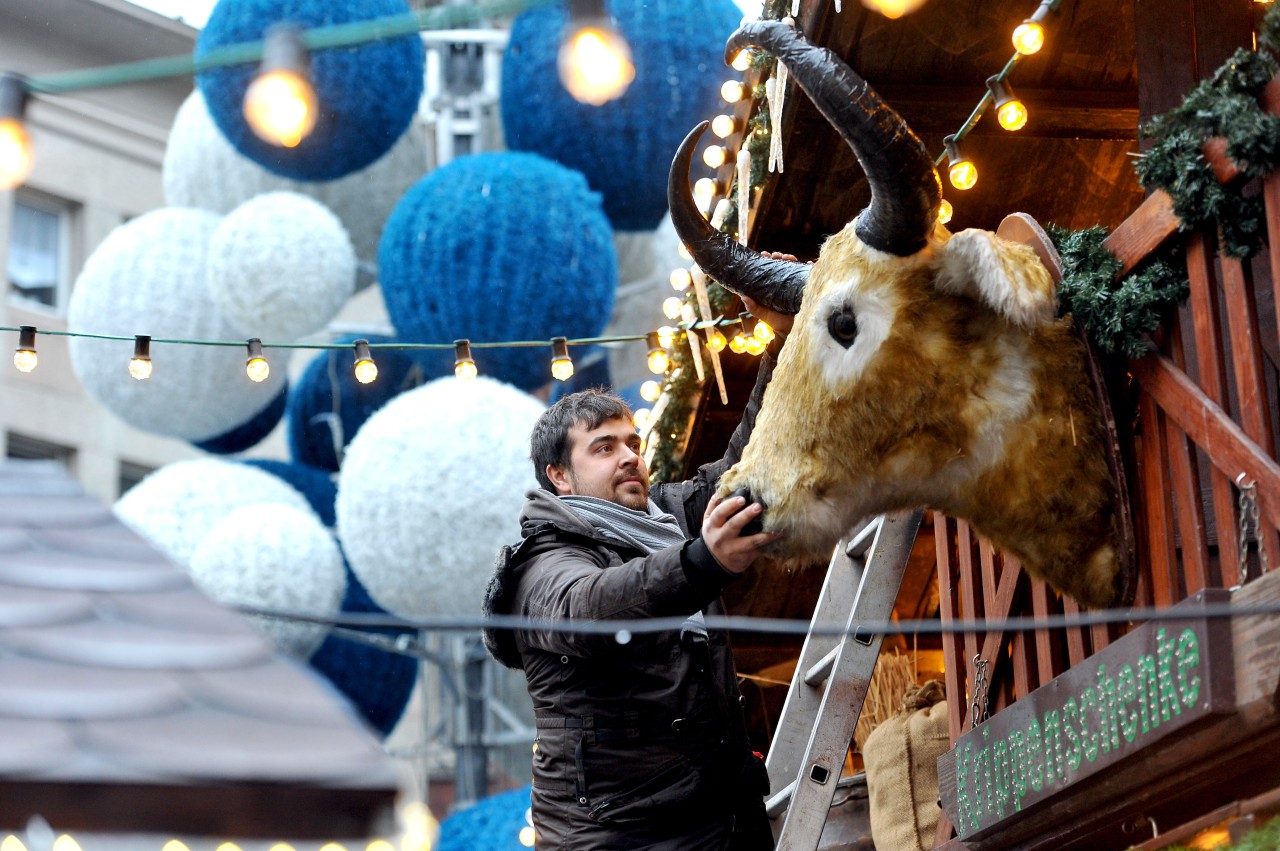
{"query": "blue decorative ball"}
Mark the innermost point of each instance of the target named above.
(625, 146)
(316, 485)
(499, 248)
(250, 433)
(327, 405)
(367, 93)
(490, 824)
(377, 682)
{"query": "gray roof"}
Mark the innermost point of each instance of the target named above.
(129, 701)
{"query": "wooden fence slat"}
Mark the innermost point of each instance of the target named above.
(1076, 651)
(1044, 642)
(1207, 322)
(1155, 496)
(1185, 479)
(1143, 231)
(969, 606)
(952, 661)
(994, 639)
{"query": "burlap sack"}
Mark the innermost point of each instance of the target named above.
(901, 757)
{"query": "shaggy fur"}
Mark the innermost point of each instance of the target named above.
(961, 392)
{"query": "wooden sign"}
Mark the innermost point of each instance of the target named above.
(1159, 679)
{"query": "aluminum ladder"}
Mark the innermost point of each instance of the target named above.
(830, 683)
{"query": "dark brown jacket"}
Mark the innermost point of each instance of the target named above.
(640, 744)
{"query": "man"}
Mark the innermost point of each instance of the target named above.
(641, 744)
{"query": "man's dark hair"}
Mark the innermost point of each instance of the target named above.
(549, 443)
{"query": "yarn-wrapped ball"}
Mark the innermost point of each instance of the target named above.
(202, 169)
(276, 558)
(177, 505)
(281, 266)
(248, 434)
(624, 147)
(430, 485)
(490, 824)
(149, 276)
(378, 682)
(327, 405)
(367, 94)
(315, 485)
(535, 260)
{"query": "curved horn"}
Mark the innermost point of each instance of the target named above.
(777, 284)
(905, 191)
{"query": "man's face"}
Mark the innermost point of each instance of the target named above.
(605, 462)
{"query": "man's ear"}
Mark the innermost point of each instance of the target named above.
(560, 478)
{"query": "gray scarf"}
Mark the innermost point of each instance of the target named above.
(648, 531)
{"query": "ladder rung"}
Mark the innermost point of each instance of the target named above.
(861, 542)
(776, 805)
(820, 671)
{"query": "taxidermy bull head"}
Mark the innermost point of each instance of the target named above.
(923, 369)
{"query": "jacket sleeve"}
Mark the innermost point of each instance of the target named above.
(568, 582)
(691, 496)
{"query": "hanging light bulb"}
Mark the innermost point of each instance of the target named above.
(945, 211)
(65, 843)
(733, 91)
(366, 370)
(1028, 37)
(380, 845)
(464, 366)
(666, 336)
(763, 332)
(140, 364)
(714, 156)
(681, 279)
(256, 366)
(741, 60)
(594, 60)
(704, 189)
(280, 104)
(650, 390)
(12, 843)
(561, 364)
(15, 144)
(723, 126)
(527, 836)
(1010, 112)
(672, 307)
(171, 845)
(716, 340)
(24, 357)
(893, 9)
(962, 172)
(658, 359)
(640, 416)
(754, 345)
(683, 251)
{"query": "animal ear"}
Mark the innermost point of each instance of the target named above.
(1006, 275)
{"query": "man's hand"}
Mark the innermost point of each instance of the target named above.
(722, 525)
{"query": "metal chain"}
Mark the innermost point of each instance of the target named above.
(978, 709)
(1248, 503)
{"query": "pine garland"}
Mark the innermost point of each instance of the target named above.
(1117, 313)
(1225, 105)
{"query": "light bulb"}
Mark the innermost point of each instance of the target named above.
(1012, 115)
(1028, 37)
(256, 366)
(171, 845)
(723, 126)
(380, 845)
(595, 64)
(893, 9)
(658, 361)
(561, 364)
(681, 279)
(704, 189)
(280, 107)
(754, 345)
(650, 390)
(641, 418)
(741, 60)
(281, 846)
(228, 846)
(763, 332)
(683, 251)
(332, 846)
(12, 843)
(672, 307)
(945, 211)
(714, 156)
(65, 843)
(963, 174)
(464, 366)
(15, 153)
(140, 368)
(738, 343)
(716, 341)
(25, 357)
(527, 836)
(366, 370)
(666, 336)
(732, 91)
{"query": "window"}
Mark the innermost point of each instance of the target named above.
(39, 238)
(31, 448)
(131, 474)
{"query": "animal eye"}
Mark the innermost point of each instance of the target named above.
(843, 326)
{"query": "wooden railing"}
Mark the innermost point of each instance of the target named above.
(1207, 405)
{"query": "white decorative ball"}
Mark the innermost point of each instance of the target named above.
(149, 277)
(277, 558)
(177, 505)
(281, 266)
(430, 486)
(202, 169)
